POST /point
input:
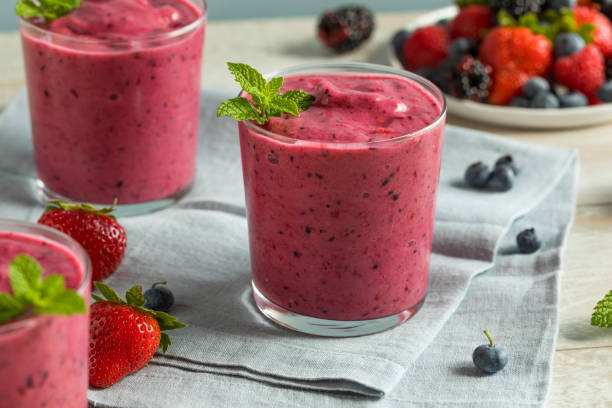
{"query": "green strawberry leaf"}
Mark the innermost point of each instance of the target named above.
(97, 298)
(165, 342)
(166, 321)
(134, 296)
(465, 3)
(602, 313)
(10, 307)
(60, 205)
(108, 292)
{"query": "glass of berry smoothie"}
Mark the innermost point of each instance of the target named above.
(341, 200)
(114, 96)
(43, 359)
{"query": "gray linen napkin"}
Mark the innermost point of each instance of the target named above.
(231, 355)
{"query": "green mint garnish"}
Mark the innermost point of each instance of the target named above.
(47, 9)
(33, 294)
(267, 101)
(134, 298)
(602, 315)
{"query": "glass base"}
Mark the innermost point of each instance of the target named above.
(329, 328)
(44, 194)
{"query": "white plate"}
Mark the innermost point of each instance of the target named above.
(505, 115)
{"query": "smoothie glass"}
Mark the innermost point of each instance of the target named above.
(340, 234)
(115, 118)
(43, 359)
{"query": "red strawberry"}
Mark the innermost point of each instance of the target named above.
(426, 47)
(123, 335)
(517, 49)
(471, 22)
(96, 230)
(582, 71)
(602, 36)
(506, 85)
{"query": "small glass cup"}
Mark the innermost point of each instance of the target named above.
(44, 359)
(347, 252)
(115, 118)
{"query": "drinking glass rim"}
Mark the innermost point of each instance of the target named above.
(57, 237)
(116, 42)
(428, 86)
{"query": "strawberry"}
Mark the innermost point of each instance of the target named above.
(583, 71)
(96, 230)
(506, 85)
(426, 47)
(517, 49)
(471, 22)
(124, 336)
(602, 36)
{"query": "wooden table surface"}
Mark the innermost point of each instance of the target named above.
(582, 373)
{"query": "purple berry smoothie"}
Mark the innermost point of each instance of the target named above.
(341, 199)
(43, 359)
(114, 93)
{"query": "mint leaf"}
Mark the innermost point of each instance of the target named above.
(302, 99)
(108, 292)
(249, 78)
(602, 314)
(266, 101)
(52, 285)
(27, 9)
(284, 104)
(240, 109)
(24, 275)
(134, 296)
(274, 86)
(10, 307)
(64, 302)
(49, 9)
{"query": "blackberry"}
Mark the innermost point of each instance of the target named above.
(517, 8)
(471, 79)
(346, 28)
(609, 68)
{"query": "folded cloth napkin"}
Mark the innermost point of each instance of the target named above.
(230, 355)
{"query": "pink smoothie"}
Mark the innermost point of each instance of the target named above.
(115, 98)
(43, 359)
(341, 216)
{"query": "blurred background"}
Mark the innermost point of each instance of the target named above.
(239, 9)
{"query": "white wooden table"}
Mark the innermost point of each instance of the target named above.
(582, 374)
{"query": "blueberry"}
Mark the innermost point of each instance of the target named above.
(573, 99)
(398, 43)
(534, 86)
(501, 179)
(519, 102)
(477, 175)
(488, 357)
(545, 100)
(567, 44)
(507, 160)
(460, 47)
(445, 22)
(559, 4)
(426, 72)
(527, 241)
(159, 298)
(604, 93)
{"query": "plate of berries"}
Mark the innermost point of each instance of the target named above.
(540, 64)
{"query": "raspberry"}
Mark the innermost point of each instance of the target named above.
(346, 28)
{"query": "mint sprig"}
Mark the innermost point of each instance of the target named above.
(33, 294)
(47, 9)
(266, 102)
(135, 299)
(602, 314)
